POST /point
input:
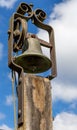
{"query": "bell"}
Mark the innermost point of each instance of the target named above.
(32, 60)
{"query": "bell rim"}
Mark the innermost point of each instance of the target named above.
(47, 60)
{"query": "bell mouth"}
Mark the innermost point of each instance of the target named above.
(33, 63)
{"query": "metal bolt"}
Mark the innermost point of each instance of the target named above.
(19, 113)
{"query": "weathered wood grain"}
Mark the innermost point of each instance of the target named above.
(37, 104)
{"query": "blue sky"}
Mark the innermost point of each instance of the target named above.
(62, 16)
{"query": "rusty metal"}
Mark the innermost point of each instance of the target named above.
(17, 33)
(32, 59)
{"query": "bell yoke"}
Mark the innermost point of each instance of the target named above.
(25, 53)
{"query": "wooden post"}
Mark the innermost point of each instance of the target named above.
(36, 104)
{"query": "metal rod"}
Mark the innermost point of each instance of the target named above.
(14, 101)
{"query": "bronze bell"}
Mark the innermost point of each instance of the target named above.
(32, 60)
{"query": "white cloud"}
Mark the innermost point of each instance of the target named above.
(65, 121)
(5, 127)
(1, 50)
(2, 116)
(66, 94)
(64, 22)
(9, 100)
(10, 76)
(7, 3)
(65, 25)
